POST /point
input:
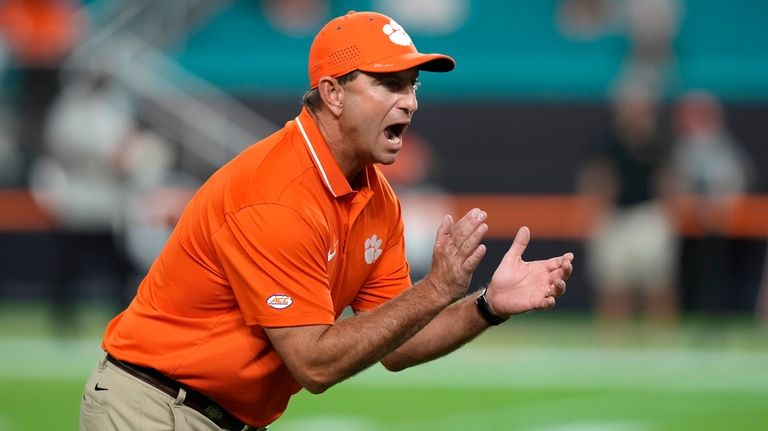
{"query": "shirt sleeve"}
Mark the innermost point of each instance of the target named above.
(275, 262)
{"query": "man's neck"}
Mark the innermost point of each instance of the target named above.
(331, 132)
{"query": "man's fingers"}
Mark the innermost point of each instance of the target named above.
(465, 235)
(519, 244)
(558, 289)
(469, 223)
(567, 266)
(445, 227)
(474, 239)
(471, 229)
(560, 262)
(470, 265)
(553, 263)
(566, 271)
(462, 228)
(548, 302)
(458, 250)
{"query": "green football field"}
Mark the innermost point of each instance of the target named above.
(548, 371)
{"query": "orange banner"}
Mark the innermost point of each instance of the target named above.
(548, 216)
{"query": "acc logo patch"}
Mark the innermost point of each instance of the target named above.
(279, 301)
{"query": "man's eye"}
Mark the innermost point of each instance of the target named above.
(393, 84)
(397, 85)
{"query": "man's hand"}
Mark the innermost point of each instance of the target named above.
(457, 253)
(518, 286)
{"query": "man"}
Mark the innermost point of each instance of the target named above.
(240, 309)
(632, 248)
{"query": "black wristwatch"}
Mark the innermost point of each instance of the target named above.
(485, 310)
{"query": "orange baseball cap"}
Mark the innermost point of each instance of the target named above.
(369, 42)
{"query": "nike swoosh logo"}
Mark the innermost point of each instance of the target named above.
(332, 252)
(99, 388)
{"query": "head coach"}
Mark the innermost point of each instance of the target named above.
(242, 307)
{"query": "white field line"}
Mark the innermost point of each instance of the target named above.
(671, 368)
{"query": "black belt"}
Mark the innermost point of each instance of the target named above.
(194, 400)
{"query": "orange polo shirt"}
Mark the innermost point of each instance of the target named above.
(276, 237)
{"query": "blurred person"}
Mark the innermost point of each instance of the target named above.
(428, 17)
(296, 18)
(80, 182)
(652, 27)
(38, 34)
(150, 214)
(761, 307)
(632, 248)
(713, 168)
(154, 195)
(241, 309)
(423, 200)
(11, 159)
(585, 19)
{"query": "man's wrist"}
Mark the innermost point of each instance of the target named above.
(485, 310)
(433, 292)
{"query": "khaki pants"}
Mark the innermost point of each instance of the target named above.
(115, 400)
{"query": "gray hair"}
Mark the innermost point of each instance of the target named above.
(312, 98)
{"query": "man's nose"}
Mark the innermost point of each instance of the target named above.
(409, 103)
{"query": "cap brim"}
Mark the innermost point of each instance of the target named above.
(426, 62)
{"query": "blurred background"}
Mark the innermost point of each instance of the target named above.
(632, 133)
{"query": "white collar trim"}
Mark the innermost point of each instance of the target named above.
(314, 156)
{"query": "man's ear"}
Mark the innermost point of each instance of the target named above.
(332, 94)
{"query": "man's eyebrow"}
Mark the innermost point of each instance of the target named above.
(382, 75)
(389, 75)
(385, 78)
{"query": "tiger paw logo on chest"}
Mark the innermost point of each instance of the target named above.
(372, 249)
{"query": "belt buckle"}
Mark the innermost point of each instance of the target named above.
(216, 413)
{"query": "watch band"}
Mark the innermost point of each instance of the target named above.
(485, 310)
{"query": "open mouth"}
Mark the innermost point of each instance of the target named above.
(394, 132)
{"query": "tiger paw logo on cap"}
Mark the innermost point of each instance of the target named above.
(397, 33)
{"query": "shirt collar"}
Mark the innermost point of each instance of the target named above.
(327, 166)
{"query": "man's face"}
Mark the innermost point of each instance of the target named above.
(377, 108)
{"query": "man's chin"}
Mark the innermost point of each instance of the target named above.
(388, 159)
